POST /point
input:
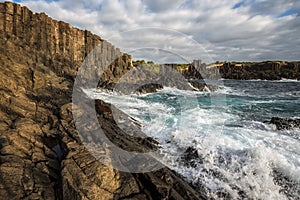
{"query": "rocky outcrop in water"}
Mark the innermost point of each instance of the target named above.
(284, 123)
(181, 76)
(41, 154)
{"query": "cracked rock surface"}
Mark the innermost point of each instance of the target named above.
(41, 154)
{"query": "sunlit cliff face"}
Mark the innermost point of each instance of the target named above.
(229, 30)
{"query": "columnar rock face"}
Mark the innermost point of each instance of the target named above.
(41, 154)
(44, 41)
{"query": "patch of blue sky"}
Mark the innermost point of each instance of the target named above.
(291, 11)
(240, 4)
(244, 3)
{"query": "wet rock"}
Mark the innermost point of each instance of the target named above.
(289, 186)
(284, 123)
(204, 87)
(149, 88)
(191, 157)
(132, 88)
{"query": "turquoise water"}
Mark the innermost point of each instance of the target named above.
(239, 156)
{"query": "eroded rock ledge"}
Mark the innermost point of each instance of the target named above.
(41, 155)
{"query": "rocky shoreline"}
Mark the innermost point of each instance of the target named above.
(147, 78)
(268, 70)
(41, 154)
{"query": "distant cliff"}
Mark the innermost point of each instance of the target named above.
(268, 70)
(41, 155)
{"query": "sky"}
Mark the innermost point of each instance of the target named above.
(183, 30)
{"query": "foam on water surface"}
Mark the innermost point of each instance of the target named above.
(239, 156)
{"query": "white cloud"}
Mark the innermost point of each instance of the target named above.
(228, 29)
(161, 6)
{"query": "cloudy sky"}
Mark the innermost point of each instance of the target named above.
(174, 30)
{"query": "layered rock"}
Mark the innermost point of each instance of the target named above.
(41, 153)
(39, 40)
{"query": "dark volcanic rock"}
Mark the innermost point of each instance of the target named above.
(132, 88)
(149, 88)
(204, 86)
(284, 123)
(289, 187)
(41, 153)
(191, 157)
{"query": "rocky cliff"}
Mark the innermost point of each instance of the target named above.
(36, 39)
(41, 155)
(269, 70)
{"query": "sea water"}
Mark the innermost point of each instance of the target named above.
(238, 155)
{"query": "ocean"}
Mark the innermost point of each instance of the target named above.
(219, 141)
